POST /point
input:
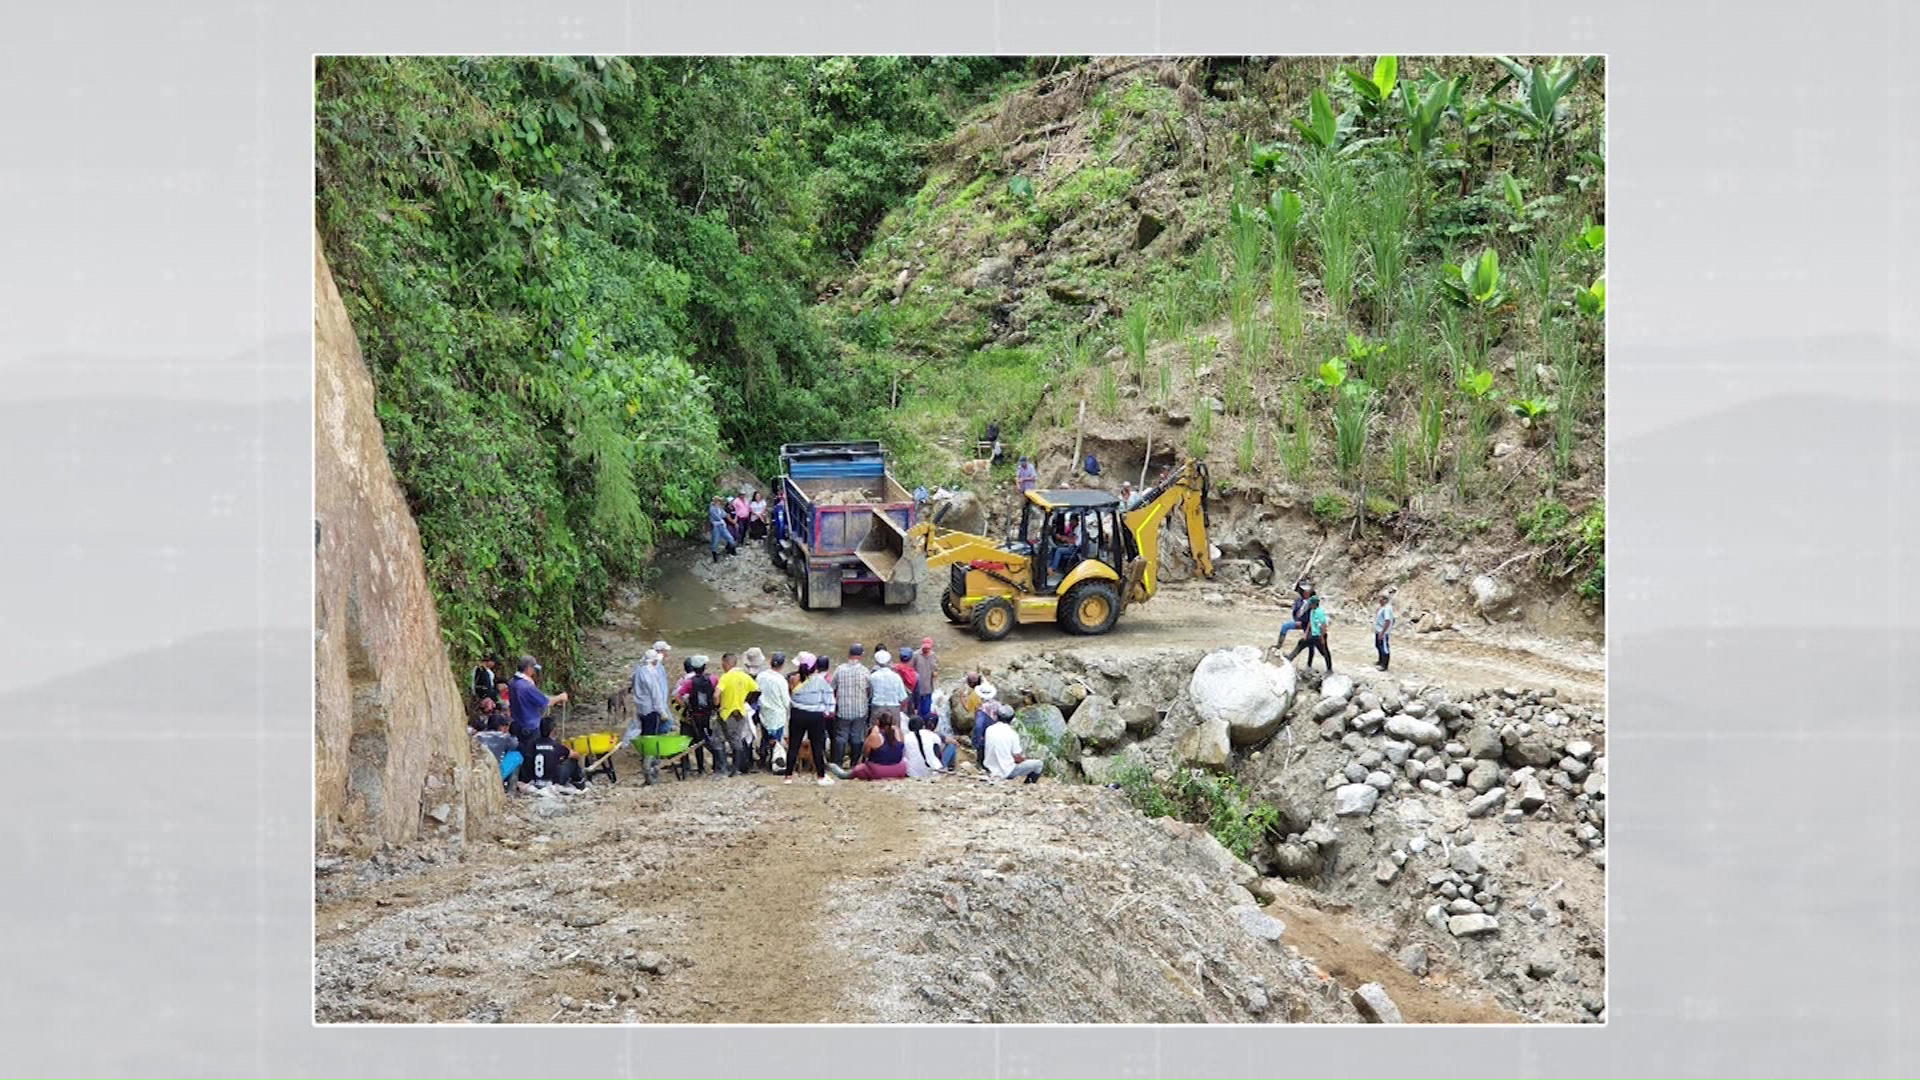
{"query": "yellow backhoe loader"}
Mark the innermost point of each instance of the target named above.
(1078, 557)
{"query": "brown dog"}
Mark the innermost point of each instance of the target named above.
(803, 763)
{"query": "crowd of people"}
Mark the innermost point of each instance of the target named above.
(747, 515)
(857, 720)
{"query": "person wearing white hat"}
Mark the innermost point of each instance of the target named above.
(886, 691)
(989, 710)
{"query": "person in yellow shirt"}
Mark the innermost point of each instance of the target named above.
(738, 692)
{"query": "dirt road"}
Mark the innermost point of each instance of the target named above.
(747, 900)
(753, 607)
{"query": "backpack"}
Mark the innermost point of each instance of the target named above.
(700, 698)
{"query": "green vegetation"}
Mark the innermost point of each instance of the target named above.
(1221, 803)
(581, 283)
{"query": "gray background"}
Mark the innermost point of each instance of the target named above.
(155, 569)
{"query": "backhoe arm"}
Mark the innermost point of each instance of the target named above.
(1186, 488)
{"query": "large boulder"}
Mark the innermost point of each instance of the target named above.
(1494, 598)
(993, 272)
(1420, 732)
(1040, 684)
(1534, 748)
(1237, 687)
(1141, 718)
(960, 510)
(1206, 746)
(1098, 723)
(1042, 725)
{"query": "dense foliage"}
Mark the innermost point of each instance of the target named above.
(582, 283)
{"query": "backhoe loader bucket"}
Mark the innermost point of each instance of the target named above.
(884, 551)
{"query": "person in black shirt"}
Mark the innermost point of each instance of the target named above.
(486, 681)
(551, 761)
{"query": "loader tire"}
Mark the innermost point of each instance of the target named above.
(1091, 607)
(993, 618)
(951, 608)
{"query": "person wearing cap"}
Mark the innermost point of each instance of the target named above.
(984, 717)
(1025, 475)
(924, 672)
(903, 667)
(699, 703)
(852, 708)
(1004, 758)
(1301, 590)
(813, 702)
(649, 705)
(719, 532)
(886, 692)
(775, 699)
(1128, 498)
(528, 704)
(738, 695)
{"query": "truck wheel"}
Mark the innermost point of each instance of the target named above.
(801, 590)
(951, 608)
(1091, 607)
(774, 554)
(992, 618)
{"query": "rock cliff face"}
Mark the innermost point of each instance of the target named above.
(392, 757)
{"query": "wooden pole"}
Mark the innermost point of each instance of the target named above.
(1080, 431)
(1145, 461)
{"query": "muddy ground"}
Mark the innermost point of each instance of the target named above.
(947, 900)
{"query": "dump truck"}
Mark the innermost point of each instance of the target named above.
(1077, 557)
(834, 493)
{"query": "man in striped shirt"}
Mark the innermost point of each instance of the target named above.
(851, 708)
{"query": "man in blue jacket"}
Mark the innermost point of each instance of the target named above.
(719, 529)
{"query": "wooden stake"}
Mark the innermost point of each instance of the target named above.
(1080, 430)
(1145, 461)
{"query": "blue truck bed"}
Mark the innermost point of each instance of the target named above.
(832, 490)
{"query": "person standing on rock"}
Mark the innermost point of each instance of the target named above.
(1316, 639)
(775, 699)
(852, 698)
(813, 703)
(528, 704)
(720, 534)
(924, 672)
(1025, 475)
(1382, 628)
(1004, 758)
(1301, 591)
(887, 693)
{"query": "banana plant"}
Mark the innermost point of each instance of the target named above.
(1425, 110)
(1477, 284)
(1515, 201)
(1590, 239)
(1376, 90)
(1543, 97)
(1592, 300)
(1322, 128)
(1284, 210)
(1530, 409)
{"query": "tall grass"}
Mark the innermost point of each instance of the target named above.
(1136, 332)
(1107, 393)
(1399, 460)
(1296, 452)
(1287, 318)
(1164, 383)
(1352, 416)
(1244, 453)
(1432, 428)
(1385, 227)
(1334, 229)
(1200, 431)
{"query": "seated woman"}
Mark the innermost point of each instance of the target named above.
(885, 755)
(927, 752)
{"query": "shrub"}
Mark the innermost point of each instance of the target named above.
(1330, 507)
